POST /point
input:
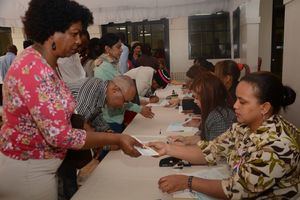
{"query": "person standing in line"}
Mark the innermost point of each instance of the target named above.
(123, 65)
(7, 59)
(37, 129)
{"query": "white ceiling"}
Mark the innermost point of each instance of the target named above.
(106, 11)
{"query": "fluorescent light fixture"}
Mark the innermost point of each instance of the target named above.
(122, 28)
(220, 12)
(202, 14)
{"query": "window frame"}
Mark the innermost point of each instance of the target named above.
(205, 19)
(135, 33)
(4, 45)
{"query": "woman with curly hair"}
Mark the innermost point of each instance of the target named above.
(37, 128)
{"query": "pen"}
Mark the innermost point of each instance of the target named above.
(190, 119)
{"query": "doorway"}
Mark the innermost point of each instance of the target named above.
(277, 37)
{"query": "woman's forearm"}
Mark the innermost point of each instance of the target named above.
(98, 139)
(192, 154)
(211, 188)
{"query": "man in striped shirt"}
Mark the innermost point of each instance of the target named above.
(93, 94)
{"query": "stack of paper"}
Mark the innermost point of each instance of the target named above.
(145, 150)
(178, 127)
(161, 103)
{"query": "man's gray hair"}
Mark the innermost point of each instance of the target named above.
(124, 83)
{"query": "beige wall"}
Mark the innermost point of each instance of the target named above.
(265, 33)
(17, 38)
(291, 56)
(250, 20)
(94, 31)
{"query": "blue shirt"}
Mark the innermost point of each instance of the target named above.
(123, 67)
(5, 63)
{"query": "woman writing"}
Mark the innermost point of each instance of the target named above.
(262, 149)
(210, 95)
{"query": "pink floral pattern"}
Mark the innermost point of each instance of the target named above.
(37, 111)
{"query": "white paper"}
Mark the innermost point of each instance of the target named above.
(145, 150)
(162, 103)
(178, 127)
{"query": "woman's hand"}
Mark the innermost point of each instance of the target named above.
(147, 112)
(193, 123)
(153, 99)
(160, 147)
(98, 62)
(127, 143)
(184, 140)
(173, 183)
(176, 139)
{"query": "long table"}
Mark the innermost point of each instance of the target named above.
(119, 176)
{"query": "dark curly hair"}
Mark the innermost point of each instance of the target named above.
(45, 17)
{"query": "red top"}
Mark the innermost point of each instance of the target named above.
(36, 112)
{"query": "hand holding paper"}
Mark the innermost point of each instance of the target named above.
(145, 150)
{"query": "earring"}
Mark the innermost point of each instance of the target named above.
(53, 46)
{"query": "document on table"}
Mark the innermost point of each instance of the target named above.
(212, 173)
(161, 103)
(145, 150)
(178, 127)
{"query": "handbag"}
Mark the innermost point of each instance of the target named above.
(78, 158)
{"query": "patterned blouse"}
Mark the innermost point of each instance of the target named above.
(265, 164)
(37, 111)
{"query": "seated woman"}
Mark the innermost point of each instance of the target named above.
(210, 95)
(262, 149)
(229, 73)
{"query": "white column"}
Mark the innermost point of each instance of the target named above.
(249, 33)
(291, 56)
(179, 44)
(265, 34)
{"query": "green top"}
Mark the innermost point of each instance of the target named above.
(107, 70)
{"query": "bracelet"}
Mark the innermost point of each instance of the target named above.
(190, 180)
